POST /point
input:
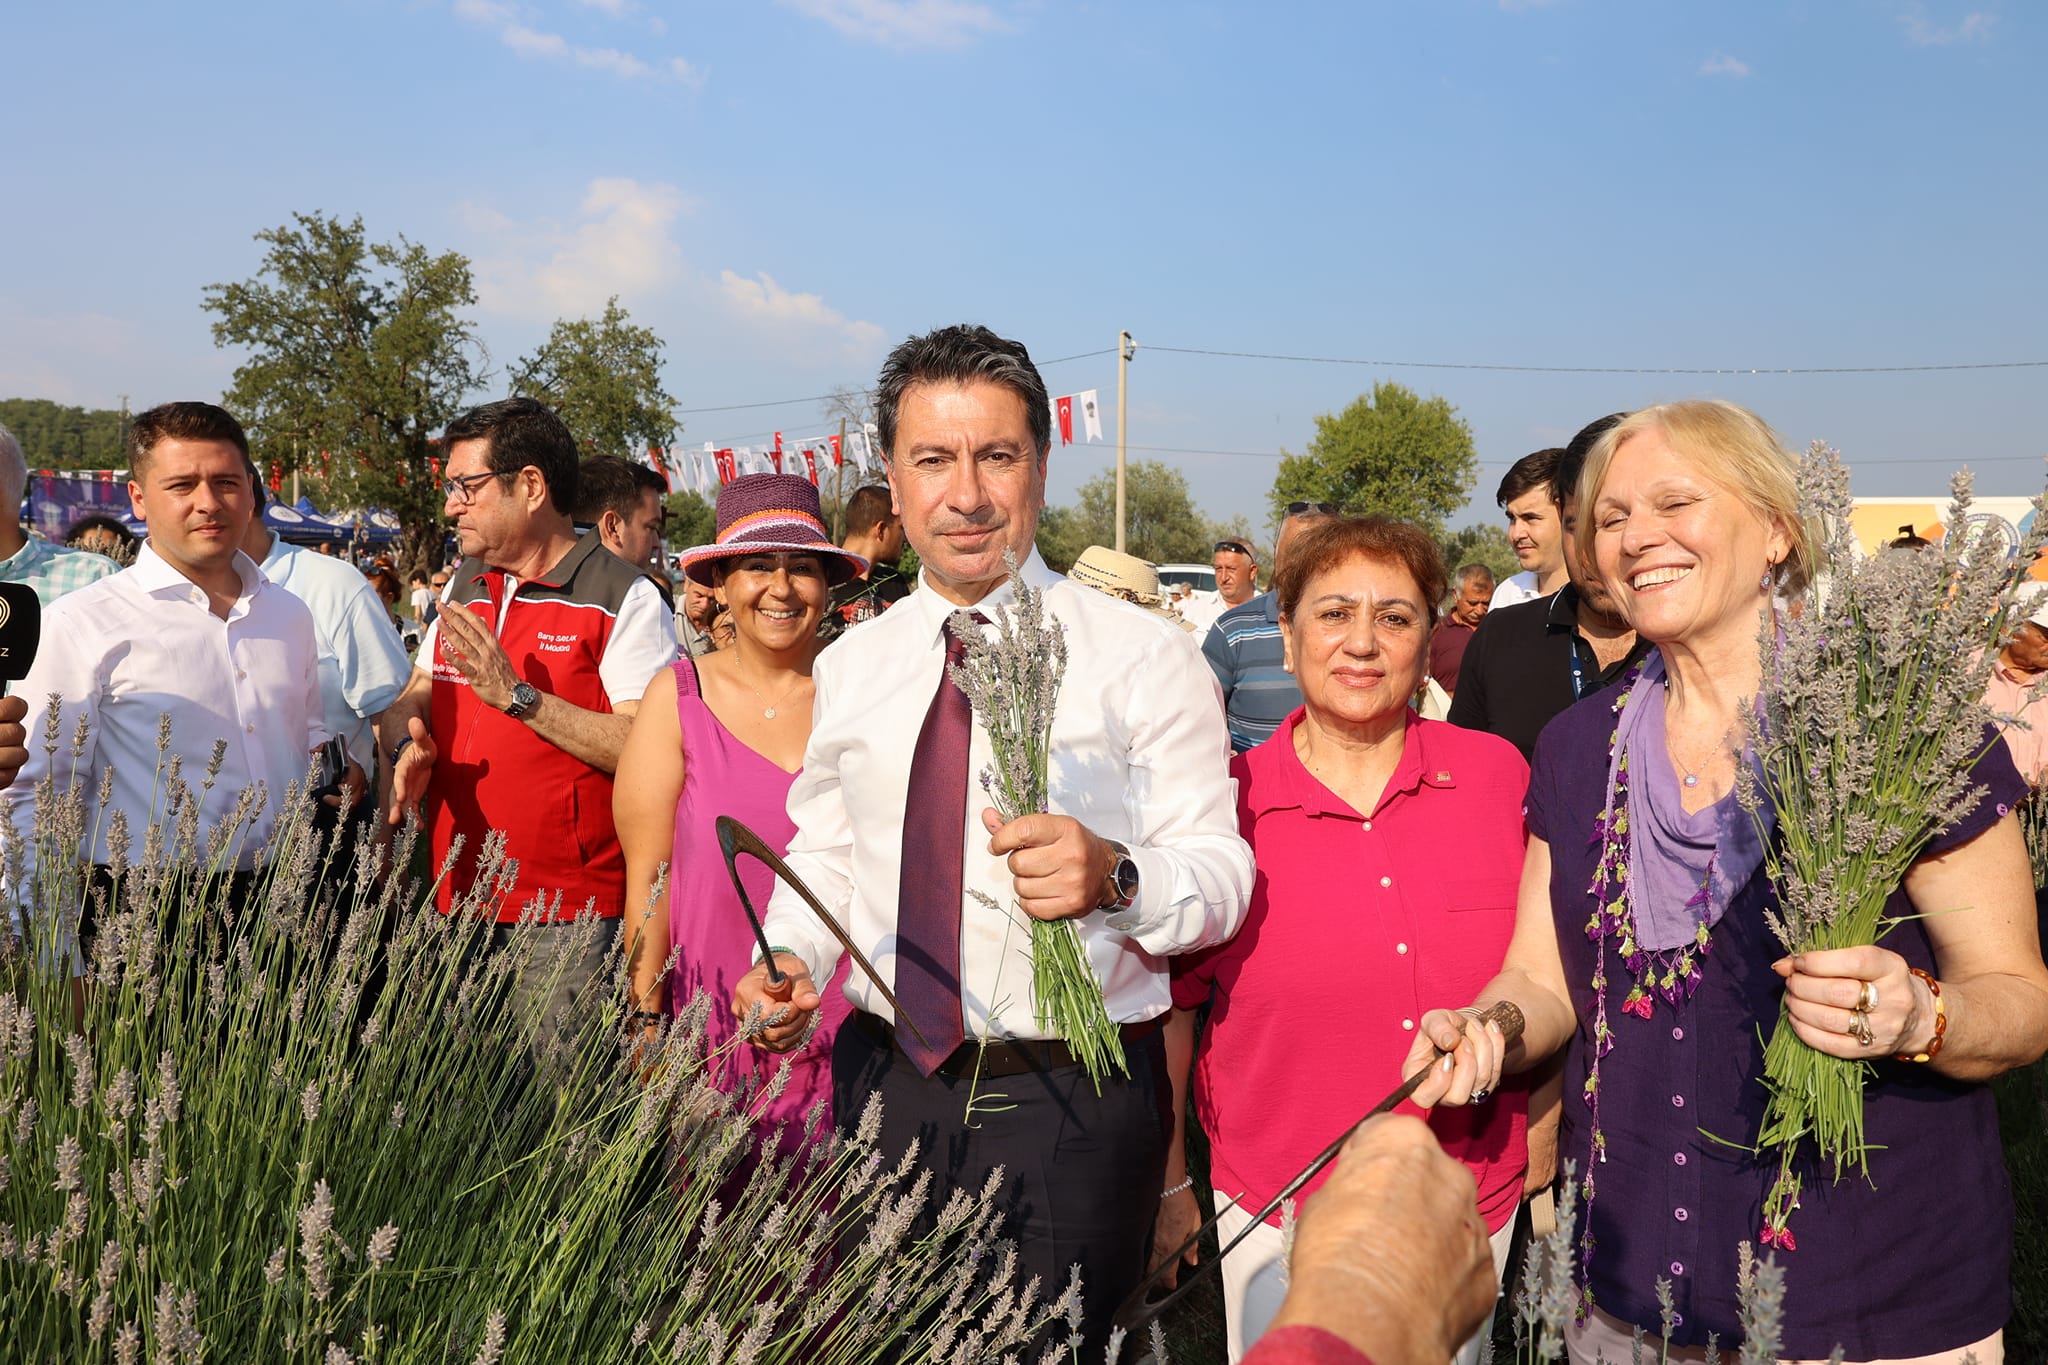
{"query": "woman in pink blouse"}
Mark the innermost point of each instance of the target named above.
(1389, 850)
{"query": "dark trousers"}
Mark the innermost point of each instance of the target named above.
(1084, 1171)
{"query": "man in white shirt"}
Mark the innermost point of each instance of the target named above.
(1140, 852)
(1237, 582)
(1530, 497)
(362, 665)
(193, 631)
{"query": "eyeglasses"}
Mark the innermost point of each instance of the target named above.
(1327, 509)
(1235, 547)
(463, 490)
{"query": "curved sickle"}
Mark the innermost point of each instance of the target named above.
(734, 839)
(1133, 1314)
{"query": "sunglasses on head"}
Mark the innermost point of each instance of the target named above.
(1236, 547)
(1327, 509)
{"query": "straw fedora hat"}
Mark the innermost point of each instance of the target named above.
(1120, 575)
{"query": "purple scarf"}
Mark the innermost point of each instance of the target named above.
(1683, 867)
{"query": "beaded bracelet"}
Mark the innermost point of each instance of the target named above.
(1940, 1022)
(1173, 1190)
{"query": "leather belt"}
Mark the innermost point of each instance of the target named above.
(999, 1056)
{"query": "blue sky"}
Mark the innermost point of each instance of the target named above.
(784, 189)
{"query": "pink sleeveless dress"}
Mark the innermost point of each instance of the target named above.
(708, 929)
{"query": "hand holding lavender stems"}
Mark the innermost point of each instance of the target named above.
(1012, 684)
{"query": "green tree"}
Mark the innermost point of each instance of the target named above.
(603, 378)
(692, 519)
(358, 355)
(1161, 521)
(54, 436)
(1390, 452)
(1486, 543)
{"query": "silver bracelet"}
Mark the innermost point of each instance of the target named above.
(1187, 1184)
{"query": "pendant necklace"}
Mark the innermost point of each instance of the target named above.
(768, 711)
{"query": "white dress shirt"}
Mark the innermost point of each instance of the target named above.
(363, 666)
(143, 644)
(1139, 754)
(1515, 590)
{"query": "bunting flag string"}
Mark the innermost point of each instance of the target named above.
(1063, 416)
(813, 458)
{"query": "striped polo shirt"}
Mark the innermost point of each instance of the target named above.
(1243, 648)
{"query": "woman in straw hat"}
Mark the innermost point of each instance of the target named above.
(725, 735)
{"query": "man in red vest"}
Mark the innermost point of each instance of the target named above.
(524, 688)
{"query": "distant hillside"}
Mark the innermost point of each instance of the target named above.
(53, 436)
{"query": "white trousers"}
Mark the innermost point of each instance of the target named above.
(1255, 1280)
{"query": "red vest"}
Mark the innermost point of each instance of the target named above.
(495, 773)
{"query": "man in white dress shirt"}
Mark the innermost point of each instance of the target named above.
(363, 667)
(193, 631)
(1140, 852)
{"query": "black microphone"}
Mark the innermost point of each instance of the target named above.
(21, 630)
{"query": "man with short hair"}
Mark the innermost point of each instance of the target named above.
(192, 631)
(422, 600)
(1244, 650)
(694, 617)
(1474, 593)
(52, 570)
(875, 533)
(621, 501)
(524, 688)
(1237, 582)
(362, 666)
(1531, 495)
(1528, 662)
(894, 834)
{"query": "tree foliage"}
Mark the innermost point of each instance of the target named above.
(692, 519)
(359, 354)
(1161, 522)
(54, 436)
(1486, 543)
(1390, 452)
(603, 378)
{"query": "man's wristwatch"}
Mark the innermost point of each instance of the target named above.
(525, 696)
(1120, 887)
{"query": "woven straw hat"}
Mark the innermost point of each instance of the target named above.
(1120, 575)
(767, 514)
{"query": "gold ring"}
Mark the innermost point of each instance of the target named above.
(1859, 1028)
(1866, 996)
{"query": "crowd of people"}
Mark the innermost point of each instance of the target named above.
(1305, 836)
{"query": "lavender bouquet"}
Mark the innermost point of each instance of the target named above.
(1868, 721)
(1012, 683)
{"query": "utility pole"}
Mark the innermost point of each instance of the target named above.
(1125, 349)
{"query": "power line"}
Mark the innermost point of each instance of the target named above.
(1504, 463)
(1608, 369)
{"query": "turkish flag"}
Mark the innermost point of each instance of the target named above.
(778, 447)
(723, 458)
(838, 455)
(811, 465)
(1064, 406)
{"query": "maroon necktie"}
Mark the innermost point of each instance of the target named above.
(929, 890)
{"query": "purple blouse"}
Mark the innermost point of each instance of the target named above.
(1915, 1260)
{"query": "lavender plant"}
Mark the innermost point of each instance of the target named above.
(1867, 725)
(265, 1126)
(1013, 684)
